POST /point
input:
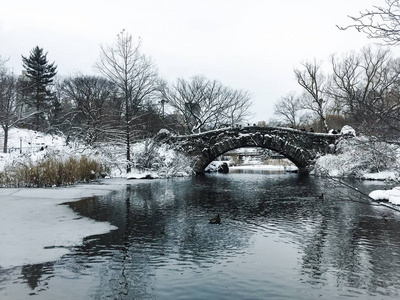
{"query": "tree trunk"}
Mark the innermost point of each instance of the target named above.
(324, 124)
(37, 110)
(5, 144)
(128, 148)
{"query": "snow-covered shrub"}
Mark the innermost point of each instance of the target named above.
(358, 156)
(174, 163)
(147, 157)
(168, 162)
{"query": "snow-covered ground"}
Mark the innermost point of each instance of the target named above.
(35, 228)
(28, 143)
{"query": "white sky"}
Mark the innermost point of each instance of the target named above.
(252, 45)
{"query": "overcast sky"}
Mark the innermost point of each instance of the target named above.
(252, 45)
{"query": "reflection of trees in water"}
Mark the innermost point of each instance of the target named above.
(32, 274)
(126, 272)
(353, 245)
(37, 276)
(156, 224)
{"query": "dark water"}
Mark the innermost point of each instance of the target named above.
(277, 240)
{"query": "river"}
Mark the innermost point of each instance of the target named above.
(276, 240)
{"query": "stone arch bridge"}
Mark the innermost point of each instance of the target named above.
(300, 147)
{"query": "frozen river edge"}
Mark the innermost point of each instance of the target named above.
(35, 228)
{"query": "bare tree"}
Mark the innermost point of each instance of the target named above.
(314, 83)
(93, 99)
(9, 114)
(343, 84)
(238, 110)
(287, 108)
(207, 104)
(380, 22)
(367, 86)
(135, 76)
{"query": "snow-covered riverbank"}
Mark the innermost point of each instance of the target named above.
(35, 228)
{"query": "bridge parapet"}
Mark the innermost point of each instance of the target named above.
(301, 147)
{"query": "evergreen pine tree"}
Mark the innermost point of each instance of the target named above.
(39, 77)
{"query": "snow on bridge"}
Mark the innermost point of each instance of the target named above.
(300, 147)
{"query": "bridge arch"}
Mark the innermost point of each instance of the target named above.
(296, 155)
(300, 147)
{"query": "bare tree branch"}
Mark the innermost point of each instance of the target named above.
(207, 104)
(313, 82)
(379, 23)
(288, 108)
(366, 85)
(93, 100)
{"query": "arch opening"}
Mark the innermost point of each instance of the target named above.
(207, 158)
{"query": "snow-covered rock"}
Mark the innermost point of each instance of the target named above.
(214, 165)
(348, 130)
(393, 195)
(142, 175)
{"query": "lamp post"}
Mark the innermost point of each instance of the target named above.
(163, 101)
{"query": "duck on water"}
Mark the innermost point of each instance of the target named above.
(216, 220)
